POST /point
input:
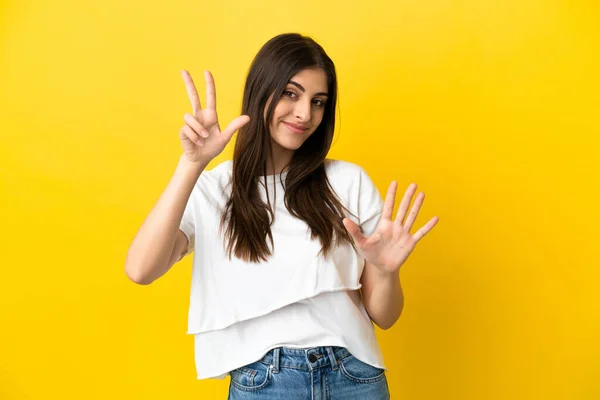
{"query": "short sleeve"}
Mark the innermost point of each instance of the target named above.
(370, 204)
(188, 225)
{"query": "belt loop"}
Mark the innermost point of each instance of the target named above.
(276, 354)
(332, 359)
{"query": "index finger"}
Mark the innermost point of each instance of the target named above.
(211, 97)
(191, 91)
(390, 198)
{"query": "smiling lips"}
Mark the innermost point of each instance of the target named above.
(296, 128)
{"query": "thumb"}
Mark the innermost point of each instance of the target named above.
(235, 125)
(354, 230)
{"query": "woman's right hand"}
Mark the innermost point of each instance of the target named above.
(201, 136)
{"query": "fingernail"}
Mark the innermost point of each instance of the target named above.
(204, 134)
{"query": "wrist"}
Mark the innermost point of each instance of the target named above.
(194, 167)
(382, 273)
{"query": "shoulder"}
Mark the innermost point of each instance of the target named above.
(348, 179)
(218, 177)
(341, 170)
(223, 168)
(220, 170)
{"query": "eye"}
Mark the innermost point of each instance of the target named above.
(319, 102)
(288, 93)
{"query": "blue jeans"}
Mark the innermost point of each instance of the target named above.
(319, 373)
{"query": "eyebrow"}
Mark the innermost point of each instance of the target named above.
(299, 86)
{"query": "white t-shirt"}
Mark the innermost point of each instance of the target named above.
(239, 311)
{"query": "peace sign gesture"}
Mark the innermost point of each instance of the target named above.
(201, 136)
(391, 243)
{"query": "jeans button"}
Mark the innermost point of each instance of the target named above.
(312, 358)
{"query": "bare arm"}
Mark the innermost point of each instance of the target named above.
(382, 295)
(159, 243)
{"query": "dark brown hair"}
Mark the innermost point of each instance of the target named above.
(308, 193)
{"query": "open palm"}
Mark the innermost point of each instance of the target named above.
(391, 243)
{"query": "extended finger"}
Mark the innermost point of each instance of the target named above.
(191, 91)
(235, 125)
(414, 211)
(425, 229)
(211, 96)
(192, 136)
(408, 195)
(390, 199)
(196, 125)
(354, 231)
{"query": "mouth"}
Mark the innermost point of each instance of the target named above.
(295, 128)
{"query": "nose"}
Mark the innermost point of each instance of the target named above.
(302, 111)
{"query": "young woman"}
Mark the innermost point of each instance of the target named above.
(295, 255)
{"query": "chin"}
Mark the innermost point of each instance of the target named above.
(290, 143)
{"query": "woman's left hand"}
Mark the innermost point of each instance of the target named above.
(391, 243)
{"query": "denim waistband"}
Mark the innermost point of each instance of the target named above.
(305, 359)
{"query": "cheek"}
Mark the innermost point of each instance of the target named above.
(281, 109)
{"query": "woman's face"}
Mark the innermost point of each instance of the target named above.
(299, 110)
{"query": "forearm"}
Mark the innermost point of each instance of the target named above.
(152, 246)
(382, 295)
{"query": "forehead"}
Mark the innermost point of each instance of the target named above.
(313, 80)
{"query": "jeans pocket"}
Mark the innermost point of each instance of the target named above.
(251, 377)
(360, 372)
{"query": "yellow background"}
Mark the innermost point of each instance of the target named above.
(491, 107)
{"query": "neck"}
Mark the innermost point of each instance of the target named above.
(281, 159)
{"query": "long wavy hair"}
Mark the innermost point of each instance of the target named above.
(247, 219)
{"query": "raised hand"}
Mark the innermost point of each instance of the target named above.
(391, 243)
(201, 136)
